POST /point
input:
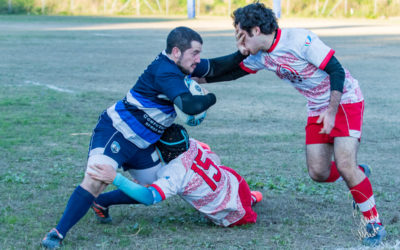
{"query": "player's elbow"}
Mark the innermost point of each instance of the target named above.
(193, 105)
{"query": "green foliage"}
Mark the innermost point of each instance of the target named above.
(303, 8)
(17, 6)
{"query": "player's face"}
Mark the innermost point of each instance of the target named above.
(189, 59)
(252, 42)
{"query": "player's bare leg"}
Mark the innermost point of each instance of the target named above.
(345, 152)
(93, 186)
(319, 158)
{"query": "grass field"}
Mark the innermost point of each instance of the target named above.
(57, 74)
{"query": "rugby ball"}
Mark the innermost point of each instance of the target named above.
(191, 120)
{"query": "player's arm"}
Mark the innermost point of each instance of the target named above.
(337, 76)
(107, 174)
(172, 85)
(144, 195)
(224, 68)
(222, 65)
(233, 74)
(228, 68)
(194, 104)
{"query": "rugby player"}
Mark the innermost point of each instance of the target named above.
(194, 173)
(334, 100)
(126, 132)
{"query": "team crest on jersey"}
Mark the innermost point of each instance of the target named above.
(308, 41)
(198, 88)
(115, 147)
(284, 71)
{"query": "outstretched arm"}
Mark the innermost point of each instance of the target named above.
(233, 74)
(222, 65)
(107, 174)
(227, 68)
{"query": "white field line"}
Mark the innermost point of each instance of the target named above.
(49, 86)
(75, 134)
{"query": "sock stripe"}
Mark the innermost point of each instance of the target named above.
(367, 205)
(362, 192)
(371, 214)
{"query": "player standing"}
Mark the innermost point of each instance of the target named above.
(126, 132)
(194, 173)
(335, 101)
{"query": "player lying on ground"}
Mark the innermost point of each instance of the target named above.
(126, 132)
(194, 173)
(335, 101)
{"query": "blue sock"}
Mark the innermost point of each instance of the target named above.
(115, 197)
(77, 206)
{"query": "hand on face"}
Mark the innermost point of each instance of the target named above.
(102, 172)
(240, 41)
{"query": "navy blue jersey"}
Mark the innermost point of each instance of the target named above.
(202, 68)
(147, 109)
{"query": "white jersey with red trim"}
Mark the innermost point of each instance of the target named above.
(298, 56)
(197, 179)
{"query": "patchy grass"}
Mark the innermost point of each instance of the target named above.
(257, 126)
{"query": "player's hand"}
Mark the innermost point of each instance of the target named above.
(199, 80)
(328, 120)
(240, 36)
(102, 172)
(205, 91)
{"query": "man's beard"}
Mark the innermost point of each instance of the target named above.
(179, 64)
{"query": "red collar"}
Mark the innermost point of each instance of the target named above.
(276, 40)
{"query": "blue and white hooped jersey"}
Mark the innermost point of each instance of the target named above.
(147, 109)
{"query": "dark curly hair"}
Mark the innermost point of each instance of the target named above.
(255, 14)
(182, 37)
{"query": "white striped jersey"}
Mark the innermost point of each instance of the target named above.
(298, 56)
(208, 187)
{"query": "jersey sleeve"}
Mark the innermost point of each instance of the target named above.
(316, 52)
(171, 84)
(202, 68)
(170, 179)
(253, 63)
(134, 190)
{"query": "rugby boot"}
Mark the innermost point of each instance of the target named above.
(52, 240)
(376, 234)
(101, 213)
(256, 197)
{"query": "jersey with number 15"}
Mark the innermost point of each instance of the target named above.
(198, 179)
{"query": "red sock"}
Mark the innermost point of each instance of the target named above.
(334, 175)
(364, 197)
